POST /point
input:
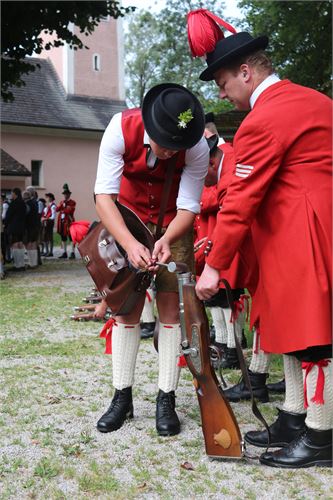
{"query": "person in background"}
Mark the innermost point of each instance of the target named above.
(32, 227)
(5, 249)
(14, 222)
(48, 219)
(66, 209)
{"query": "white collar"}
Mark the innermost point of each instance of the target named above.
(146, 138)
(270, 80)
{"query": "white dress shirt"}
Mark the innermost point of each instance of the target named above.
(111, 165)
(270, 80)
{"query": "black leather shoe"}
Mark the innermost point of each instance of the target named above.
(72, 255)
(310, 448)
(63, 256)
(287, 427)
(230, 359)
(120, 409)
(147, 330)
(167, 421)
(240, 392)
(279, 387)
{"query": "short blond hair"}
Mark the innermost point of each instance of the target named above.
(258, 60)
(211, 127)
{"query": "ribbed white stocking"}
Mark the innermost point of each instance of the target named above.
(169, 338)
(221, 332)
(260, 361)
(125, 346)
(294, 398)
(320, 416)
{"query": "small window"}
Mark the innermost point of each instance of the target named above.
(96, 62)
(36, 172)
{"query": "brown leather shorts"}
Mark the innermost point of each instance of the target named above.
(181, 251)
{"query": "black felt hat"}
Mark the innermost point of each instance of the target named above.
(66, 189)
(173, 117)
(228, 49)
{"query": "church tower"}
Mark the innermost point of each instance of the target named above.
(94, 72)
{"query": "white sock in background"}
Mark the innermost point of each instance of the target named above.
(221, 332)
(147, 315)
(260, 361)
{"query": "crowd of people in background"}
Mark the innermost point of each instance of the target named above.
(27, 227)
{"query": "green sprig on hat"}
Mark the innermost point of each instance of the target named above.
(184, 118)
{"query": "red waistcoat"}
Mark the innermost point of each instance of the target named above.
(141, 187)
(243, 270)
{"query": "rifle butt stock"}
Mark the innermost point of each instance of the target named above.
(219, 425)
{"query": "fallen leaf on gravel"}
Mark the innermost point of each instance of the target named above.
(142, 486)
(35, 441)
(187, 466)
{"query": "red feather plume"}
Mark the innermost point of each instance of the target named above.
(79, 230)
(203, 31)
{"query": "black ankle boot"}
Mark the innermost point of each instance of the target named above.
(240, 392)
(167, 421)
(121, 407)
(278, 387)
(287, 427)
(310, 448)
(230, 358)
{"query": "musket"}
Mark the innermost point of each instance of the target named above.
(85, 307)
(88, 317)
(92, 300)
(219, 425)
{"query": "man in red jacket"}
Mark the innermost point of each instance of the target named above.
(66, 209)
(134, 154)
(281, 193)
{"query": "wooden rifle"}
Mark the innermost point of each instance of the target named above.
(89, 316)
(219, 425)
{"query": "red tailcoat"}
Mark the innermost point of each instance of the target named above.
(141, 187)
(282, 190)
(242, 272)
(66, 211)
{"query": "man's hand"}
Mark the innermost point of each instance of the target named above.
(138, 255)
(161, 252)
(208, 284)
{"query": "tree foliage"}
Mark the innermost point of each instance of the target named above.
(157, 51)
(23, 22)
(300, 38)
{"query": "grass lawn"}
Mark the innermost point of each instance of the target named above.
(55, 384)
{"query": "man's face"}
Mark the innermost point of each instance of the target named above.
(234, 86)
(66, 196)
(159, 152)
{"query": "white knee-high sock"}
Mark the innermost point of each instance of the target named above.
(260, 360)
(169, 338)
(221, 332)
(18, 256)
(230, 327)
(320, 416)
(147, 315)
(294, 398)
(32, 257)
(125, 346)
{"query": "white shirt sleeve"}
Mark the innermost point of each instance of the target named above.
(110, 161)
(193, 177)
(53, 211)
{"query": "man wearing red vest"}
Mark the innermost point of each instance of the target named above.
(66, 209)
(134, 154)
(281, 193)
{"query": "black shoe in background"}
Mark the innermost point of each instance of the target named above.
(63, 256)
(278, 387)
(147, 330)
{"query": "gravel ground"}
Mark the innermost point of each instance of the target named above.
(50, 402)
